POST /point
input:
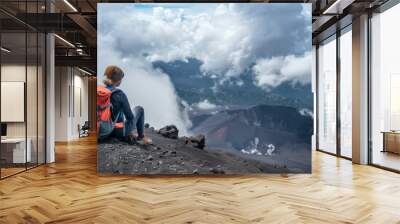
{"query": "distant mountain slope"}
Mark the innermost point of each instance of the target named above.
(192, 86)
(277, 125)
(277, 134)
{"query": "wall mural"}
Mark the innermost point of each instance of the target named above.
(204, 88)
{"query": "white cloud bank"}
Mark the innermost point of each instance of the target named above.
(271, 72)
(148, 88)
(227, 38)
(205, 105)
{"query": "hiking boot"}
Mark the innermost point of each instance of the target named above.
(144, 140)
(131, 140)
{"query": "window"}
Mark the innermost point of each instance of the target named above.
(346, 92)
(385, 89)
(327, 95)
(22, 87)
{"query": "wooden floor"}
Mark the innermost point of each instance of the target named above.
(386, 159)
(70, 191)
(5, 172)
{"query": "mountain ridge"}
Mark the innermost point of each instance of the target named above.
(193, 86)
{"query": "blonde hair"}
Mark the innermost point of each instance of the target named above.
(107, 81)
(112, 75)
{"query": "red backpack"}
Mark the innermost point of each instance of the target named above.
(105, 124)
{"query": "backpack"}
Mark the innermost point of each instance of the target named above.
(105, 124)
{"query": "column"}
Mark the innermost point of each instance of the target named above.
(360, 90)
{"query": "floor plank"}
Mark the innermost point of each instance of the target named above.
(70, 191)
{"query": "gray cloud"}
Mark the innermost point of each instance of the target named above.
(227, 38)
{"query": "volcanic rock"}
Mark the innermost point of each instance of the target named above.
(169, 131)
(217, 170)
(198, 141)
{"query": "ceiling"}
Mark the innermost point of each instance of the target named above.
(75, 22)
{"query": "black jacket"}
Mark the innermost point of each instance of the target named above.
(120, 104)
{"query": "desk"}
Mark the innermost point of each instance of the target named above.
(391, 141)
(13, 150)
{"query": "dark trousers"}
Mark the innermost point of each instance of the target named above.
(129, 126)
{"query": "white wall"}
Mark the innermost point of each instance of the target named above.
(16, 73)
(61, 103)
(33, 126)
(71, 102)
(80, 95)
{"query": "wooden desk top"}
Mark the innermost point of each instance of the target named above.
(391, 132)
(13, 140)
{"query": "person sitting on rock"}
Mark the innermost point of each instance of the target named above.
(132, 118)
